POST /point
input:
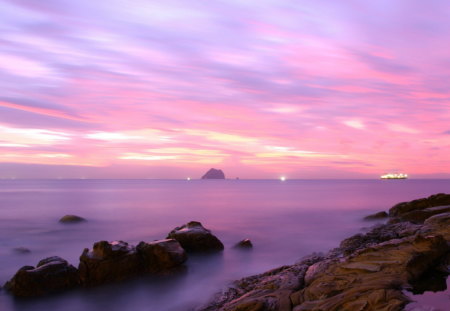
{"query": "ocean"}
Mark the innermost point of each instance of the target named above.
(285, 221)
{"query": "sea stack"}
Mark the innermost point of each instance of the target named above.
(214, 174)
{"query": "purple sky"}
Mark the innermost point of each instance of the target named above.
(168, 89)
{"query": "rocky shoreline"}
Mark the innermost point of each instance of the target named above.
(368, 271)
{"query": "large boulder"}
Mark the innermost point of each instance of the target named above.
(193, 237)
(52, 274)
(214, 174)
(161, 256)
(108, 262)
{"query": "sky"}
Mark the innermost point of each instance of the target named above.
(259, 89)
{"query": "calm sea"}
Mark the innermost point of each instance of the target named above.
(285, 220)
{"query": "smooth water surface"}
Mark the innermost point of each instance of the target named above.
(285, 220)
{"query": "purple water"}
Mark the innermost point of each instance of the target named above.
(285, 220)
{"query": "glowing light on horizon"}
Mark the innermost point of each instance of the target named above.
(283, 178)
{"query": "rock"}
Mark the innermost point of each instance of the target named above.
(161, 256)
(193, 237)
(71, 219)
(21, 250)
(246, 244)
(52, 274)
(214, 174)
(376, 216)
(116, 261)
(108, 262)
(367, 272)
(439, 199)
(419, 216)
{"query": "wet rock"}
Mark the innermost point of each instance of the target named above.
(161, 256)
(21, 250)
(108, 262)
(376, 216)
(71, 219)
(193, 237)
(244, 244)
(214, 174)
(52, 274)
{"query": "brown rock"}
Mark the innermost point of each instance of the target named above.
(108, 262)
(193, 237)
(52, 274)
(71, 219)
(160, 256)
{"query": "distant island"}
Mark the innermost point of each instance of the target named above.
(214, 174)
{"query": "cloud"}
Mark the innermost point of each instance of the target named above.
(282, 84)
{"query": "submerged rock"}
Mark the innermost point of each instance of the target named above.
(367, 272)
(193, 237)
(244, 244)
(214, 174)
(71, 219)
(52, 274)
(21, 250)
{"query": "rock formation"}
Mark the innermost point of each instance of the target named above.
(367, 272)
(107, 262)
(193, 237)
(214, 174)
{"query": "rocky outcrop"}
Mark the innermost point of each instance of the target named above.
(71, 219)
(400, 209)
(51, 275)
(366, 272)
(107, 262)
(193, 237)
(214, 174)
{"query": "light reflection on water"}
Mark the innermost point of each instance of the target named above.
(285, 220)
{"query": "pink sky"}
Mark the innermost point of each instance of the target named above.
(168, 89)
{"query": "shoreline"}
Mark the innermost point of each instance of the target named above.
(368, 271)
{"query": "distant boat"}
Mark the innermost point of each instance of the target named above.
(394, 176)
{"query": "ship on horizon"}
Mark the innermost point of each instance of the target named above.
(394, 176)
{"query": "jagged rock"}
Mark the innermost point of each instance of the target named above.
(193, 237)
(376, 216)
(214, 174)
(51, 275)
(160, 256)
(71, 219)
(108, 262)
(246, 243)
(367, 272)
